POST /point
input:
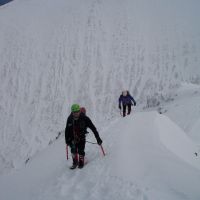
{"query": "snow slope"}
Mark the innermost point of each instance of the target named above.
(139, 164)
(184, 109)
(55, 53)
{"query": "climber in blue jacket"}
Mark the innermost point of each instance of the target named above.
(127, 101)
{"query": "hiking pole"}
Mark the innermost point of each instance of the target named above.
(67, 152)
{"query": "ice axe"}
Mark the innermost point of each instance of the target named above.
(67, 152)
(102, 150)
(99, 145)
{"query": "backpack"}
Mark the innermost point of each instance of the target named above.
(83, 110)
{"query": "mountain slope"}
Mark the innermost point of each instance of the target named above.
(55, 53)
(137, 165)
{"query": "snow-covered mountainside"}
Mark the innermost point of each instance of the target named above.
(155, 161)
(55, 53)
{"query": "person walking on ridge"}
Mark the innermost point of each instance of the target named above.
(75, 135)
(126, 100)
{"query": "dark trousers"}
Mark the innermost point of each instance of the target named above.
(78, 148)
(124, 109)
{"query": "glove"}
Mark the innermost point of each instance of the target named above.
(134, 103)
(99, 141)
(120, 107)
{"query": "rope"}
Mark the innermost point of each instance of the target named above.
(91, 142)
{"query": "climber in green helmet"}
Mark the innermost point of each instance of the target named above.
(75, 108)
(75, 134)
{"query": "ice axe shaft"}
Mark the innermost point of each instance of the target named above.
(102, 150)
(67, 152)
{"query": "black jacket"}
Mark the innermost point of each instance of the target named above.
(82, 124)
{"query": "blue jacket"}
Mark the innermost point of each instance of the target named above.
(125, 100)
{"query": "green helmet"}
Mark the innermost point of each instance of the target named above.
(75, 108)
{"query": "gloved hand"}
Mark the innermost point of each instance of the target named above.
(134, 103)
(99, 141)
(120, 107)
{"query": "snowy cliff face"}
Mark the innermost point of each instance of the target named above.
(55, 53)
